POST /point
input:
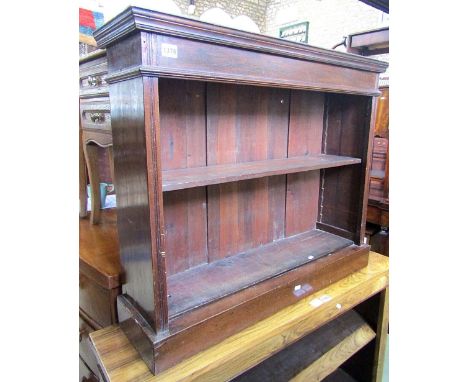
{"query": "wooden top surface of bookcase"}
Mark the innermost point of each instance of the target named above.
(240, 164)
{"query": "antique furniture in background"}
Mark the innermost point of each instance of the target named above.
(336, 334)
(369, 43)
(241, 162)
(95, 124)
(378, 203)
(99, 282)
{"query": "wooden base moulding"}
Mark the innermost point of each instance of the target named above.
(202, 328)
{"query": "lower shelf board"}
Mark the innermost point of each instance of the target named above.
(339, 375)
(206, 283)
(317, 355)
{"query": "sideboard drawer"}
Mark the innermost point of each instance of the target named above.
(93, 77)
(380, 145)
(97, 302)
(95, 113)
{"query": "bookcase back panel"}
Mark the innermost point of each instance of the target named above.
(182, 112)
(205, 124)
(244, 215)
(183, 123)
(245, 123)
(185, 222)
(346, 133)
(305, 138)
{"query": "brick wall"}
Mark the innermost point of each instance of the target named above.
(255, 9)
(329, 20)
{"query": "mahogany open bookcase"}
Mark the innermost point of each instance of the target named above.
(241, 163)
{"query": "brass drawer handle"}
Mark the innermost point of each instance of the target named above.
(97, 117)
(94, 80)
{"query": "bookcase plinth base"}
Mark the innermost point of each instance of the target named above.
(188, 336)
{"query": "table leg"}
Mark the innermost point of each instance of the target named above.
(110, 153)
(82, 180)
(91, 156)
(381, 338)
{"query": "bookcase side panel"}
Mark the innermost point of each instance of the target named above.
(342, 189)
(245, 123)
(131, 184)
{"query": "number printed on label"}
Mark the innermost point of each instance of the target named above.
(169, 50)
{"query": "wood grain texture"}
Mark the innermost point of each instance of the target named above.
(246, 214)
(148, 21)
(332, 359)
(382, 337)
(209, 62)
(85, 351)
(382, 120)
(91, 158)
(99, 280)
(82, 183)
(183, 146)
(128, 130)
(346, 132)
(217, 174)
(97, 302)
(305, 139)
(155, 201)
(316, 355)
(95, 126)
(249, 347)
(93, 73)
(99, 250)
(166, 121)
(204, 284)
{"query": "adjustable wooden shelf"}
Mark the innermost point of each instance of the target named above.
(240, 162)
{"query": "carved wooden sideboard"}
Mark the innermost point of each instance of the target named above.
(378, 203)
(241, 164)
(99, 283)
(95, 123)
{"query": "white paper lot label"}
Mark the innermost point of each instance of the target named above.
(169, 50)
(316, 302)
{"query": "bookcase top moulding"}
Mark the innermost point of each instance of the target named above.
(197, 42)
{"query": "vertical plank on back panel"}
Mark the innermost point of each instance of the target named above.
(278, 125)
(305, 138)
(183, 138)
(245, 123)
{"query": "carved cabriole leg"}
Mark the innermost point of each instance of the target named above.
(82, 180)
(110, 154)
(91, 156)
